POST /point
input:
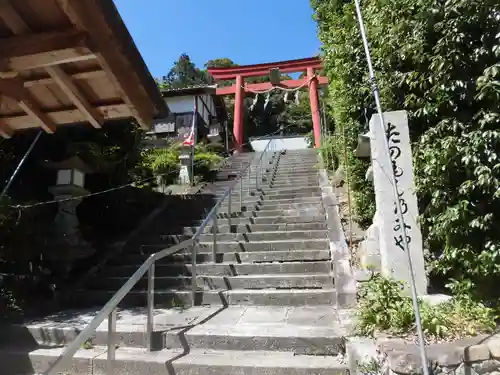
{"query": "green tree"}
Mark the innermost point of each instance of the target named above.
(439, 61)
(184, 73)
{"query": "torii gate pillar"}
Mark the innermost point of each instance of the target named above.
(314, 101)
(239, 113)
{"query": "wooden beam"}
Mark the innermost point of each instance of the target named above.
(14, 88)
(12, 19)
(47, 80)
(69, 116)
(110, 57)
(67, 85)
(40, 43)
(29, 106)
(288, 84)
(5, 130)
(42, 60)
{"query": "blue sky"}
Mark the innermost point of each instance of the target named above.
(248, 32)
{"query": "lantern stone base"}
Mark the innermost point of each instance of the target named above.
(68, 245)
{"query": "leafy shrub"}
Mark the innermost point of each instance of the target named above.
(328, 152)
(205, 163)
(163, 163)
(383, 307)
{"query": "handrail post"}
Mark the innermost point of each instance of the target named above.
(110, 364)
(194, 282)
(248, 177)
(214, 229)
(257, 168)
(151, 306)
(241, 193)
(229, 213)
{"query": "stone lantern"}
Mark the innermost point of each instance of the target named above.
(68, 244)
(363, 149)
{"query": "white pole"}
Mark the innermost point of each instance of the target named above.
(376, 94)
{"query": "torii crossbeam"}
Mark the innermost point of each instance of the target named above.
(239, 73)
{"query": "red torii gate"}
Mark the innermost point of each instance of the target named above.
(239, 73)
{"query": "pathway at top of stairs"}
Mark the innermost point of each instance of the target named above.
(268, 303)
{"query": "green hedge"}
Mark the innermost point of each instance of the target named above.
(439, 60)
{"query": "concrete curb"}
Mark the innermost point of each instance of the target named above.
(345, 282)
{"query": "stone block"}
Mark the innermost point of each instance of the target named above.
(475, 353)
(494, 346)
(406, 363)
(489, 366)
(360, 351)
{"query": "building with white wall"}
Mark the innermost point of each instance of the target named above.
(211, 116)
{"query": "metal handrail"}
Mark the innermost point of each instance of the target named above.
(109, 309)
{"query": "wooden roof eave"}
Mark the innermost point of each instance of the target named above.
(97, 33)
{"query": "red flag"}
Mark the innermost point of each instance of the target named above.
(189, 141)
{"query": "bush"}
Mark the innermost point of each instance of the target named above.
(383, 307)
(440, 62)
(328, 153)
(205, 163)
(163, 163)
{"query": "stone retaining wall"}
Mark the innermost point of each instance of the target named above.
(478, 355)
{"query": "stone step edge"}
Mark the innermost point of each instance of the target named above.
(254, 276)
(224, 361)
(224, 291)
(255, 254)
(261, 232)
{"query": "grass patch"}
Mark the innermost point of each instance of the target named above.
(382, 307)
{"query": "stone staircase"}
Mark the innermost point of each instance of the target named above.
(267, 305)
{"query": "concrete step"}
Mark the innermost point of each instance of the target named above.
(225, 269)
(249, 228)
(279, 185)
(266, 190)
(266, 236)
(277, 205)
(265, 199)
(269, 220)
(291, 177)
(297, 339)
(292, 194)
(281, 281)
(241, 257)
(247, 236)
(131, 361)
(285, 212)
(224, 297)
(234, 247)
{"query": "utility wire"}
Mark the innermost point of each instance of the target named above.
(130, 184)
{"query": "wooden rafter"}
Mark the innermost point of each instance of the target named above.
(38, 44)
(108, 112)
(66, 84)
(34, 81)
(14, 89)
(11, 18)
(5, 130)
(33, 110)
(83, 20)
